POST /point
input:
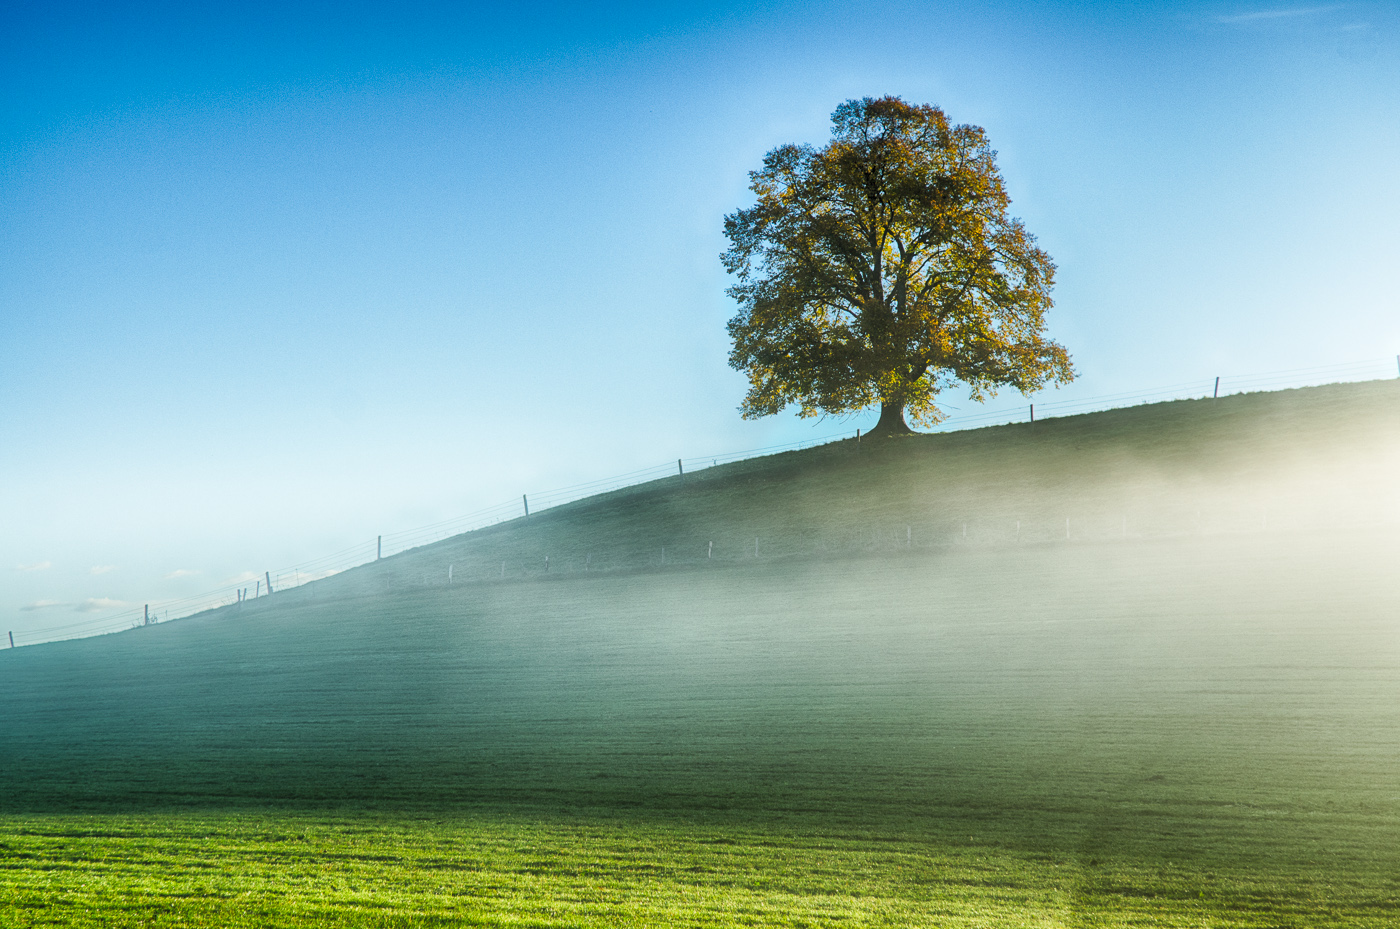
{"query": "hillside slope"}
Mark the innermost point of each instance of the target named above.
(1304, 459)
(1192, 701)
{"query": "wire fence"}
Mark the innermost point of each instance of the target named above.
(1208, 387)
(393, 543)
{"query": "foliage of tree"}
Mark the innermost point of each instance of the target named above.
(883, 268)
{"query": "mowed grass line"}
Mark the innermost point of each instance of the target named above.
(291, 869)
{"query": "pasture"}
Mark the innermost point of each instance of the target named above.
(1166, 721)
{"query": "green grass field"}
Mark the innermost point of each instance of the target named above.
(1187, 713)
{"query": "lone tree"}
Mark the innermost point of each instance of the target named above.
(884, 268)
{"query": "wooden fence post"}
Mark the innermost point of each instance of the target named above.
(1032, 414)
(147, 620)
(526, 500)
(12, 640)
(268, 575)
(1216, 395)
(378, 553)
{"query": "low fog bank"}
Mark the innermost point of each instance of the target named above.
(1143, 698)
(1212, 650)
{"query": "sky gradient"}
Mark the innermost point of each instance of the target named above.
(274, 280)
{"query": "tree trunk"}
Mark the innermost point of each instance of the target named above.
(891, 420)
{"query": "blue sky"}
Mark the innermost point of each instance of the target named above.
(275, 279)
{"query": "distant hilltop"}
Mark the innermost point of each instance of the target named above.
(1281, 461)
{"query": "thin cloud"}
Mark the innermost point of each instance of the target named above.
(1264, 15)
(243, 578)
(102, 568)
(183, 572)
(43, 605)
(37, 566)
(93, 604)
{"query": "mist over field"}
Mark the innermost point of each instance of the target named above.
(1144, 664)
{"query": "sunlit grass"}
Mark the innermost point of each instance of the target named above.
(290, 869)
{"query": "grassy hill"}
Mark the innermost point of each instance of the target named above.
(1182, 709)
(1297, 459)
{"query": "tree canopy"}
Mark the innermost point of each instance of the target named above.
(883, 268)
